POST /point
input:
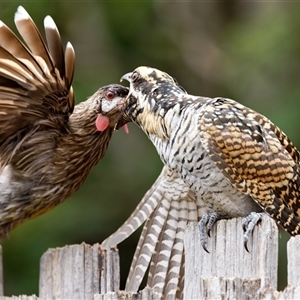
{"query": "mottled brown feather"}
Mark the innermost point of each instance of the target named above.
(47, 146)
(258, 158)
(31, 88)
(33, 39)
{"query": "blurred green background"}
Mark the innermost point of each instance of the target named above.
(247, 51)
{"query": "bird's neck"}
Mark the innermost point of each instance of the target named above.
(82, 121)
(153, 125)
(82, 147)
(154, 118)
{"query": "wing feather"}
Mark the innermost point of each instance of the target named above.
(35, 82)
(240, 145)
(70, 62)
(54, 44)
(254, 155)
(33, 39)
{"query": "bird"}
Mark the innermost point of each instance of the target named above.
(48, 145)
(221, 160)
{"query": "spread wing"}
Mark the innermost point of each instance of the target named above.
(35, 81)
(256, 156)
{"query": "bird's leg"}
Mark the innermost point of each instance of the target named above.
(249, 223)
(205, 225)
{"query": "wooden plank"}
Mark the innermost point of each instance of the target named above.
(228, 257)
(145, 294)
(293, 254)
(226, 288)
(289, 293)
(78, 272)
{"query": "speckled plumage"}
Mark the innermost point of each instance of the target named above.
(221, 160)
(47, 144)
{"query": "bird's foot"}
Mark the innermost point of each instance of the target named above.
(205, 225)
(248, 225)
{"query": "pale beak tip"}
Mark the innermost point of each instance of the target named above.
(126, 77)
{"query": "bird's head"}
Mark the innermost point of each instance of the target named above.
(145, 80)
(108, 105)
(151, 94)
(151, 90)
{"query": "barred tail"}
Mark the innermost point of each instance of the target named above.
(139, 215)
(161, 241)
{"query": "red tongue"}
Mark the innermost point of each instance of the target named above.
(102, 123)
(126, 129)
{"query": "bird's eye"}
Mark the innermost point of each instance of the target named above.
(110, 95)
(134, 76)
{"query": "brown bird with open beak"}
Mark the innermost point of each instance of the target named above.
(48, 146)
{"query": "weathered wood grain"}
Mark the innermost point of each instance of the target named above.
(228, 263)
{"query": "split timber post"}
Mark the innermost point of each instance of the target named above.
(228, 272)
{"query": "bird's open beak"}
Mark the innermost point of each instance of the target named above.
(126, 77)
(123, 121)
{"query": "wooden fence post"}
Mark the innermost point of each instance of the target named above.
(229, 271)
(84, 272)
(78, 272)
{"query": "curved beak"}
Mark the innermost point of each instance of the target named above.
(126, 77)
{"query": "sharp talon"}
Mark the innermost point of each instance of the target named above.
(246, 244)
(203, 232)
(249, 224)
(204, 246)
(213, 217)
(208, 232)
(205, 225)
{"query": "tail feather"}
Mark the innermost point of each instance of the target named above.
(181, 277)
(139, 215)
(145, 248)
(177, 254)
(162, 243)
(166, 208)
(163, 248)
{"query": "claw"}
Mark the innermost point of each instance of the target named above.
(213, 218)
(248, 225)
(205, 225)
(203, 232)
